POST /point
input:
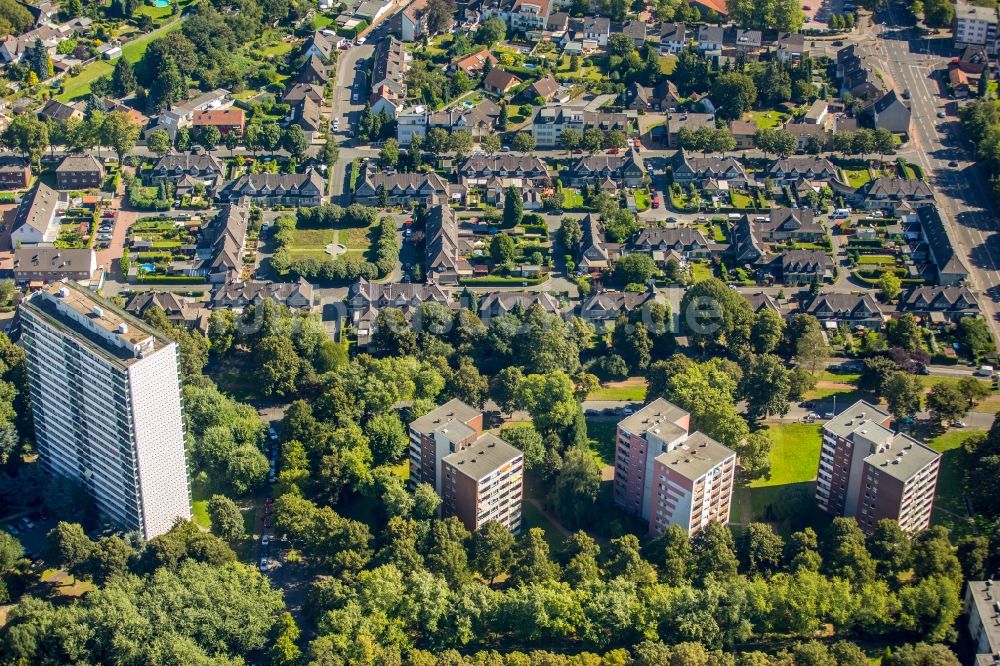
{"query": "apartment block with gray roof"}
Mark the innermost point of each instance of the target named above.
(868, 471)
(982, 608)
(668, 476)
(477, 475)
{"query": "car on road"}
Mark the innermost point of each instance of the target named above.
(958, 424)
(613, 151)
(271, 478)
(355, 97)
(953, 163)
(272, 433)
(265, 540)
(672, 219)
(940, 114)
(27, 523)
(701, 218)
(505, 149)
(838, 42)
(264, 566)
(361, 40)
(13, 530)
(267, 522)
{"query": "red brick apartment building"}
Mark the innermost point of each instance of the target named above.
(870, 472)
(668, 476)
(478, 476)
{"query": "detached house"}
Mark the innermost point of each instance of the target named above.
(624, 170)
(500, 82)
(527, 15)
(474, 63)
(79, 172)
(892, 113)
(15, 173)
(662, 97)
(673, 38)
(849, 309)
(225, 120)
(597, 28)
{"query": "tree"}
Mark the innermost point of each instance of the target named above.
(876, 371)
(938, 13)
(754, 452)
(388, 155)
(329, 154)
(120, 132)
(11, 551)
(760, 549)
(570, 139)
(570, 235)
(246, 469)
(885, 142)
(524, 142)
(278, 365)
(890, 546)
(889, 286)
(227, 519)
(460, 143)
(766, 386)
(70, 546)
(490, 143)
(946, 403)
(492, 550)
(294, 141)
(158, 142)
(715, 551)
(736, 94)
(502, 248)
(975, 334)
(531, 559)
(593, 139)
(615, 139)
(28, 136)
(123, 78)
(576, 487)
(210, 136)
(635, 268)
(439, 15)
(285, 650)
(513, 208)
(905, 393)
(491, 31)
(270, 137)
(436, 141)
(108, 560)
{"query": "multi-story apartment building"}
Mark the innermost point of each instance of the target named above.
(106, 404)
(668, 476)
(478, 476)
(870, 472)
(982, 608)
(975, 26)
(79, 172)
(483, 483)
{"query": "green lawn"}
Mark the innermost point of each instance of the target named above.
(949, 507)
(311, 239)
(878, 259)
(278, 49)
(355, 238)
(79, 86)
(767, 119)
(786, 498)
(322, 21)
(667, 64)
(740, 200)
(641, 200)
(856, 177)
(700, 271)
(572, 199)
(532, 517)
(637, 393)
(602, 433)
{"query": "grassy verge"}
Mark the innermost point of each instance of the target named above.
(636, 393)
(856, 177)
(602, 433)
(949, 505)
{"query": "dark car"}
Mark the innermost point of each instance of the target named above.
(953, 163)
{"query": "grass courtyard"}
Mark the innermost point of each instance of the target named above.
(856, 177)
(949, 505)
(786, 498)
(767, 119)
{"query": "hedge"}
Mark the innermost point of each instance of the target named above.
(170, 279)
(499, 281)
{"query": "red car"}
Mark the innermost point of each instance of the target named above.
(613, 151)
(578, 152)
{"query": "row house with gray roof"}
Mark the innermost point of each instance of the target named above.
(689, 169)
(403, 189)
(276, 189)
(624, 170)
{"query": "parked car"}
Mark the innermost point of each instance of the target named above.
(265, 540)
(27, 523)
(272, 433)
(10, 528)
(264, 564)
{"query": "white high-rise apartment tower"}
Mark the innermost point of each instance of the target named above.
(105, 394)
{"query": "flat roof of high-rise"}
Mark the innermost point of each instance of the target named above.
(986, 596)
(482, 457)
(695, 456)
(659, 416)
(94, 321)
(903, 458)
(453, 410)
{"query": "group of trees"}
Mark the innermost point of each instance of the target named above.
(30, 137)
(781, 15)
(591, 139)
(981, 122)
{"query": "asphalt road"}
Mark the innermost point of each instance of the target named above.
(909, 62)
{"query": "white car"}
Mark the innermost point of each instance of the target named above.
(264, 566)
(265, 540)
